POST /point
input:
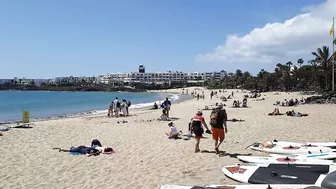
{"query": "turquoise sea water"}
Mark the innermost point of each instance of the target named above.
(51, 104)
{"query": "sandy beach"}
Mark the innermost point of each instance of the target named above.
(145, 158)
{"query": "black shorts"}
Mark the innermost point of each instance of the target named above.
(198, 131)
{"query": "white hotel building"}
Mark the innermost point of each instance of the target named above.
(160, 77)
(130, 77)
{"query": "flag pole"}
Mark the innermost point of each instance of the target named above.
(333, 63)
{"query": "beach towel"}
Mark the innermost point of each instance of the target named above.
(25, 126)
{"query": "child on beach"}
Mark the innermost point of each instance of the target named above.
(110, 110)
(197, 129)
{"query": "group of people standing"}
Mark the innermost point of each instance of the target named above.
(116, 107)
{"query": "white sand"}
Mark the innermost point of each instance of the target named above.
(145, 158)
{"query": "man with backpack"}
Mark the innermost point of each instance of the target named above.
(218, 118)
(166, 106)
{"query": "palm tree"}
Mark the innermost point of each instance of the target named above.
(289, 64)
(300, 61)
(314, 65)
(323, 57)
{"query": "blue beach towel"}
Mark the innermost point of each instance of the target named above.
(75, 153)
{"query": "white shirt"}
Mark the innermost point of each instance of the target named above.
(115, 103)
(173, 130)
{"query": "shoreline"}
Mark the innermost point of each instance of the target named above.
(101, 112)
(142, 146)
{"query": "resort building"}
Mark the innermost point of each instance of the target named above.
(141, 76)
(161, 77)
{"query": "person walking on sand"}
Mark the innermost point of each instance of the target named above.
(211, 94)
(166, 106)
(218, 118)
(196, 127)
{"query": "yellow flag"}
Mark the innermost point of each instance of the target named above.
(332, 30)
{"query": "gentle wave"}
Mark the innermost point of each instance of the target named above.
(174, 98)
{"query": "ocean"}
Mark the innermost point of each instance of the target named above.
(42, 104)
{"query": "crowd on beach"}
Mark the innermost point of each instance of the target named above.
(203, 129)
(218, 118)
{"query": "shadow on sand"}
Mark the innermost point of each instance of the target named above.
(224, 153)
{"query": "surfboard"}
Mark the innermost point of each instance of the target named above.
(276, 149)
(273, 175)
(307, 143)
(283, 160)
(322, 156)
(265, 186)
(247, 186)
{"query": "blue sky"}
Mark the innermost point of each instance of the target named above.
(44, 38)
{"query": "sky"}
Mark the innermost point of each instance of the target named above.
(45, 39)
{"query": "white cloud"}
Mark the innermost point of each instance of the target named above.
(279, 42)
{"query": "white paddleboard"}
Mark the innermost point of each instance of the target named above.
(322, 156)
(283, 160)
(276, 149)
(308, 143)
(261, 186)
(256, 174)
(248, 186)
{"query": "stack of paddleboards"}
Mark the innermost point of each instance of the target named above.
(290, 165)
(318, 175)
(308, 163)
(283, 147)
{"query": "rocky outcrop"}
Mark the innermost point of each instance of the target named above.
(327, 97)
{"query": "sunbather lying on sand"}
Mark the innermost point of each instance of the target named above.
(296, 114)
(95, 149)
(275, 112)
(277, 103)
(89, 151)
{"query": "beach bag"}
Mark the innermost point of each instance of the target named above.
(129, 103)
(214, 117)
